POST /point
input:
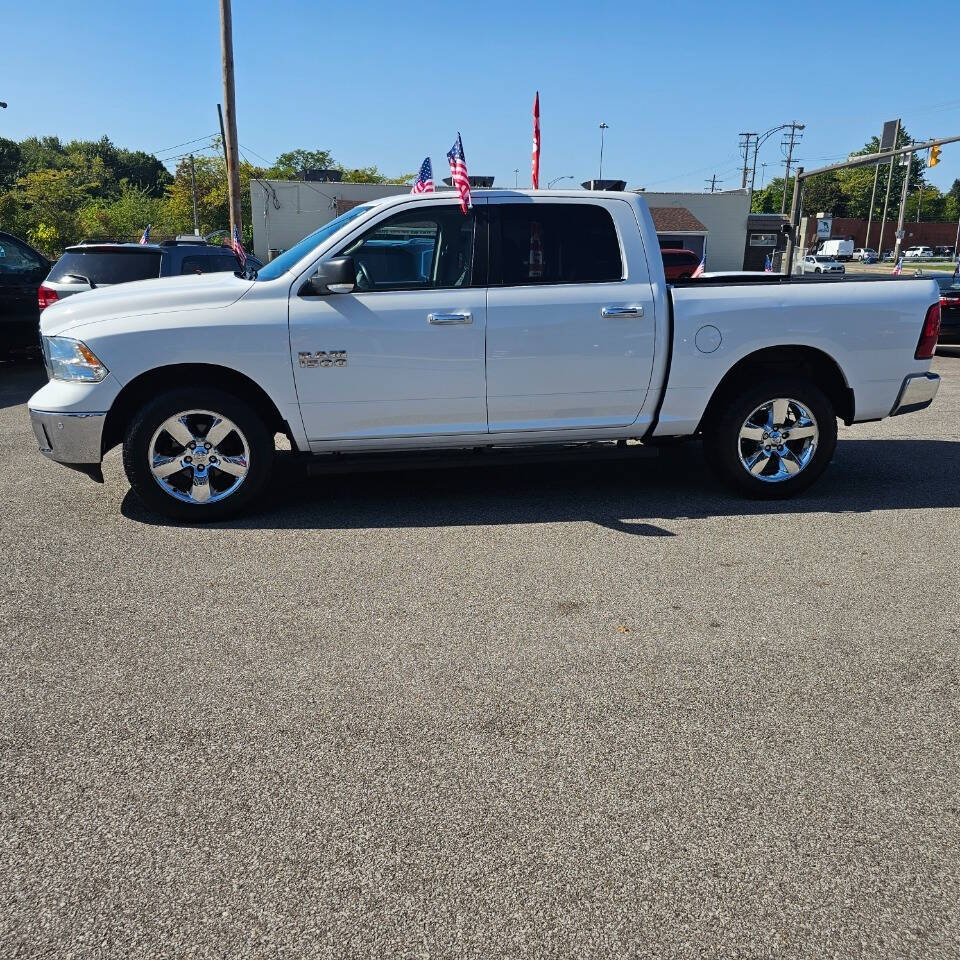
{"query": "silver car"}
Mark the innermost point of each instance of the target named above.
(820, 263)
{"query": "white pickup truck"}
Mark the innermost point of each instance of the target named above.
(405, 325)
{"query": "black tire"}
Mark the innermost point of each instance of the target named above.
(721, 434)
(146, 422)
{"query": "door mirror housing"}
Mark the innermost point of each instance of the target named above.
(338, 275)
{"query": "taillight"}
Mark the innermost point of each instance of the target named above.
(46, 296)
(930, 332)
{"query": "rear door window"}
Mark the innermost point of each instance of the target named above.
(107, 266)
(538, 243)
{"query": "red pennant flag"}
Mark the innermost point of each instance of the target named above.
(536, 142)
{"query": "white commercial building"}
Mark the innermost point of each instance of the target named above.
(724, 217)
(285, 211)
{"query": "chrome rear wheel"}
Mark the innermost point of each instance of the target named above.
(778, 440)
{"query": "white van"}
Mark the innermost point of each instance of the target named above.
(838, 249)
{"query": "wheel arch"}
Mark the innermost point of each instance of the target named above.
(148, 384)
(808, 361)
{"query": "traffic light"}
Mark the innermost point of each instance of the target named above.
(934, 156)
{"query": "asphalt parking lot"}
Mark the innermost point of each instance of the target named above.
(565, 711)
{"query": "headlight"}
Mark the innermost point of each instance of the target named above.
(72, 360)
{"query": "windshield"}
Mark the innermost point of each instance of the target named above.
(298, 251)
(949, 285)
(824, 259)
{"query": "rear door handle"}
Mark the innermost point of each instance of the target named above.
(612, 312)
(449, 318)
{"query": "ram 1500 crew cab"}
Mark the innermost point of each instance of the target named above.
(536, 318)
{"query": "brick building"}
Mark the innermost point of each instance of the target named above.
(934, 233)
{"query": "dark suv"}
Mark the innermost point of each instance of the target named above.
(22, 270)
(90, 265)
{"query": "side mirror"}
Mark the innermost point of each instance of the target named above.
(338, 275)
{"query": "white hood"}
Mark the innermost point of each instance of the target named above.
(143, 297)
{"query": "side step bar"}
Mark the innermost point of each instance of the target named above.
(332, 463)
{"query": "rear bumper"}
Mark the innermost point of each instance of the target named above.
(73, 439)
(917, 392)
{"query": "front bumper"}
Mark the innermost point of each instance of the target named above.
(73, 439)
(917, 393)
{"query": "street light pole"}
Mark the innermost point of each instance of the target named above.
(558, 179)
(603, 127)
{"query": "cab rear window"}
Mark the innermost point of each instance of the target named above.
(107, 266)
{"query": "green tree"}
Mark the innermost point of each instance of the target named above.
(9, 162)
(292, 164)
(933, 206)
(43, 206)
(124, 217)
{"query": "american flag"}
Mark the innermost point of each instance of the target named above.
(768, 265)
(898, 269)
(458, 173)
(956, 270)
(424, 182)
(237, 247)
(146, 235)
(701, 266)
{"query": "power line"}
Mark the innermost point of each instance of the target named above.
(209, 136)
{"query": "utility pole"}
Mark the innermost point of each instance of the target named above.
(745, 147)
(193, 191)
(794, 127)
(229, 98)
(792, 237)
(603, 127)
(713, 181)
(763, 173)
(903, 207)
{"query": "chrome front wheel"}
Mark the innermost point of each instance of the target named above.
(198, 453)
(777, 440)
(198, 456)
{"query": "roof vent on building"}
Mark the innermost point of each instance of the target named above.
(604, 184)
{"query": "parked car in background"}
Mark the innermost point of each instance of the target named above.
(87, 266)
(865, 255)
(679, 264)
(918, 253)
(838, 249)
(819, 263)
(886, 255)
(22, 270)
(949, 309)
(947, 253)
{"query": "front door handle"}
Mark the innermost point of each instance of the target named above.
(615, 312)
(448, 318)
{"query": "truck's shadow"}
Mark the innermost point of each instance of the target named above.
(634, 498)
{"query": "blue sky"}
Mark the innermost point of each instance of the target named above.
(385, 83)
